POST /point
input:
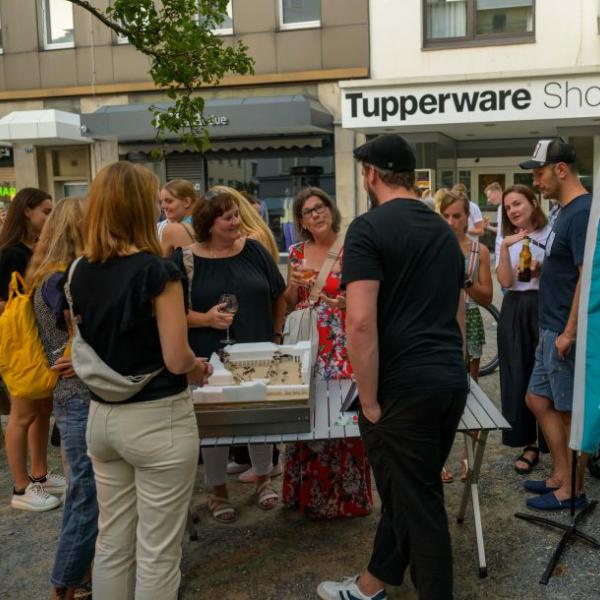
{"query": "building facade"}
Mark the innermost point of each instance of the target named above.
(474, 83)
(75, 96)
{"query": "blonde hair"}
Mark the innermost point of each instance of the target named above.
(438, 197)
(252, 224)
(182, 189)
(121, 212)
(61, 241)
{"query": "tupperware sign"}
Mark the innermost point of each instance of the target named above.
(449, 103)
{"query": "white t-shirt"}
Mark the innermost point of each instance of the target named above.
(540, 236)
(475, 217)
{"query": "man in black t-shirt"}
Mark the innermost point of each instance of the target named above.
(404, 272)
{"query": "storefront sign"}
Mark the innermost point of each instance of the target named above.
(217, 120)
(455, 103)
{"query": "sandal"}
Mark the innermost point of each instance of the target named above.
(530, 463)
(221, 510)
(447, 475)
(267, 496)
(464, 469)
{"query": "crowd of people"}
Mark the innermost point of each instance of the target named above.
(130, 289)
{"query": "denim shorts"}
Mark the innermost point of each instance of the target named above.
(552, 376)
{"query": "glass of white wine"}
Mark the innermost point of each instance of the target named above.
(231, 307)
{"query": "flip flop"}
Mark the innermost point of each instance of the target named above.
(530, 463)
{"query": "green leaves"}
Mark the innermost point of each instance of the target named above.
(178, 37)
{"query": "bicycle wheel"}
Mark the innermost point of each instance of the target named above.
(489, 360)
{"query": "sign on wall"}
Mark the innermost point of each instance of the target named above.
(482, 101)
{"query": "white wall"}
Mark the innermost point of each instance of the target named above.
(566, 37)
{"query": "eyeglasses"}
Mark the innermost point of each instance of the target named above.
(315, 210)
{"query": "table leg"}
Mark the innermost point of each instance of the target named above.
(474, 460)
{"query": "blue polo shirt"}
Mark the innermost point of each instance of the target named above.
(565, 247)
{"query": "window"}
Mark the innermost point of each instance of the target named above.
(1, 42)
(477, 22)
(58, 24)
(299, 14)
(226, 27)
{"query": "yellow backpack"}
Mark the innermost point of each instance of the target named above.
(23, 363)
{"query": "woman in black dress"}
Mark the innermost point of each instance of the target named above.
(29, 420)
(227, 262)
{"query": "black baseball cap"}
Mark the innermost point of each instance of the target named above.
(548, 152)
(389, 151)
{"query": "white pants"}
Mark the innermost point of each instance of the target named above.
(145, 457)
(215, 462)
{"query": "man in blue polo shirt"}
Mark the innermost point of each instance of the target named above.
(550, 394)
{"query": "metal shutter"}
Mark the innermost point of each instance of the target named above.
(186, 166)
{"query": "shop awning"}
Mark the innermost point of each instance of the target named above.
(47, 127)
(240, 145)
(230, 118)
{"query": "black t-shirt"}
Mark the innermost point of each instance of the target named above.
(13, 258)
(114, 300)
(253, 277)
(565, 248)
(417, 259)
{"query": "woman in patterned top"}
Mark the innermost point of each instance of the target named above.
(60, 243)
(478, 288)
(331, 478)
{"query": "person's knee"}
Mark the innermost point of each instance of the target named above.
(537, 404)
(20, 417)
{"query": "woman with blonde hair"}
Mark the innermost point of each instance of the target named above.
(129, 304)
(177, 199)
(252, 225)
(60, 243)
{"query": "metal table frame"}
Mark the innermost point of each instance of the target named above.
(479, 418)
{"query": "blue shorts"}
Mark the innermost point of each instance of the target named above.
(552, 376)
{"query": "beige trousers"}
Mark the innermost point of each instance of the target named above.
(145, 457)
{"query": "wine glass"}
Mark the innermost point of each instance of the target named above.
(231, 307)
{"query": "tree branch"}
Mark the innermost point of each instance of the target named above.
(100, 16)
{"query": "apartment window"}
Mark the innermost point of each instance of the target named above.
(477, 22)
(58, 24)
(299, 14)
(226, 27)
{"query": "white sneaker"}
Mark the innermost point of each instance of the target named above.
(54, 483)
(35, 499)
(346, 590)
(234, 468)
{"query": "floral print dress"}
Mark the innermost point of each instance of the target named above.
(330, 478)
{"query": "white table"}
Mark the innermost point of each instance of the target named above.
(479, 418)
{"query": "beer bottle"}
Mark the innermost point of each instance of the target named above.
(525, 262)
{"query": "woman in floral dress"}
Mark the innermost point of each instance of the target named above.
(330, 478)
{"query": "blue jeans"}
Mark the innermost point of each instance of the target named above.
(77, 542)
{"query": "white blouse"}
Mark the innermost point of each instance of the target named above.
(540, 236)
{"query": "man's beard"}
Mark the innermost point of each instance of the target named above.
(372, 196)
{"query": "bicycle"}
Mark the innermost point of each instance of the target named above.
(489, 360)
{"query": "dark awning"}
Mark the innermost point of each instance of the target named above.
(230, 118)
